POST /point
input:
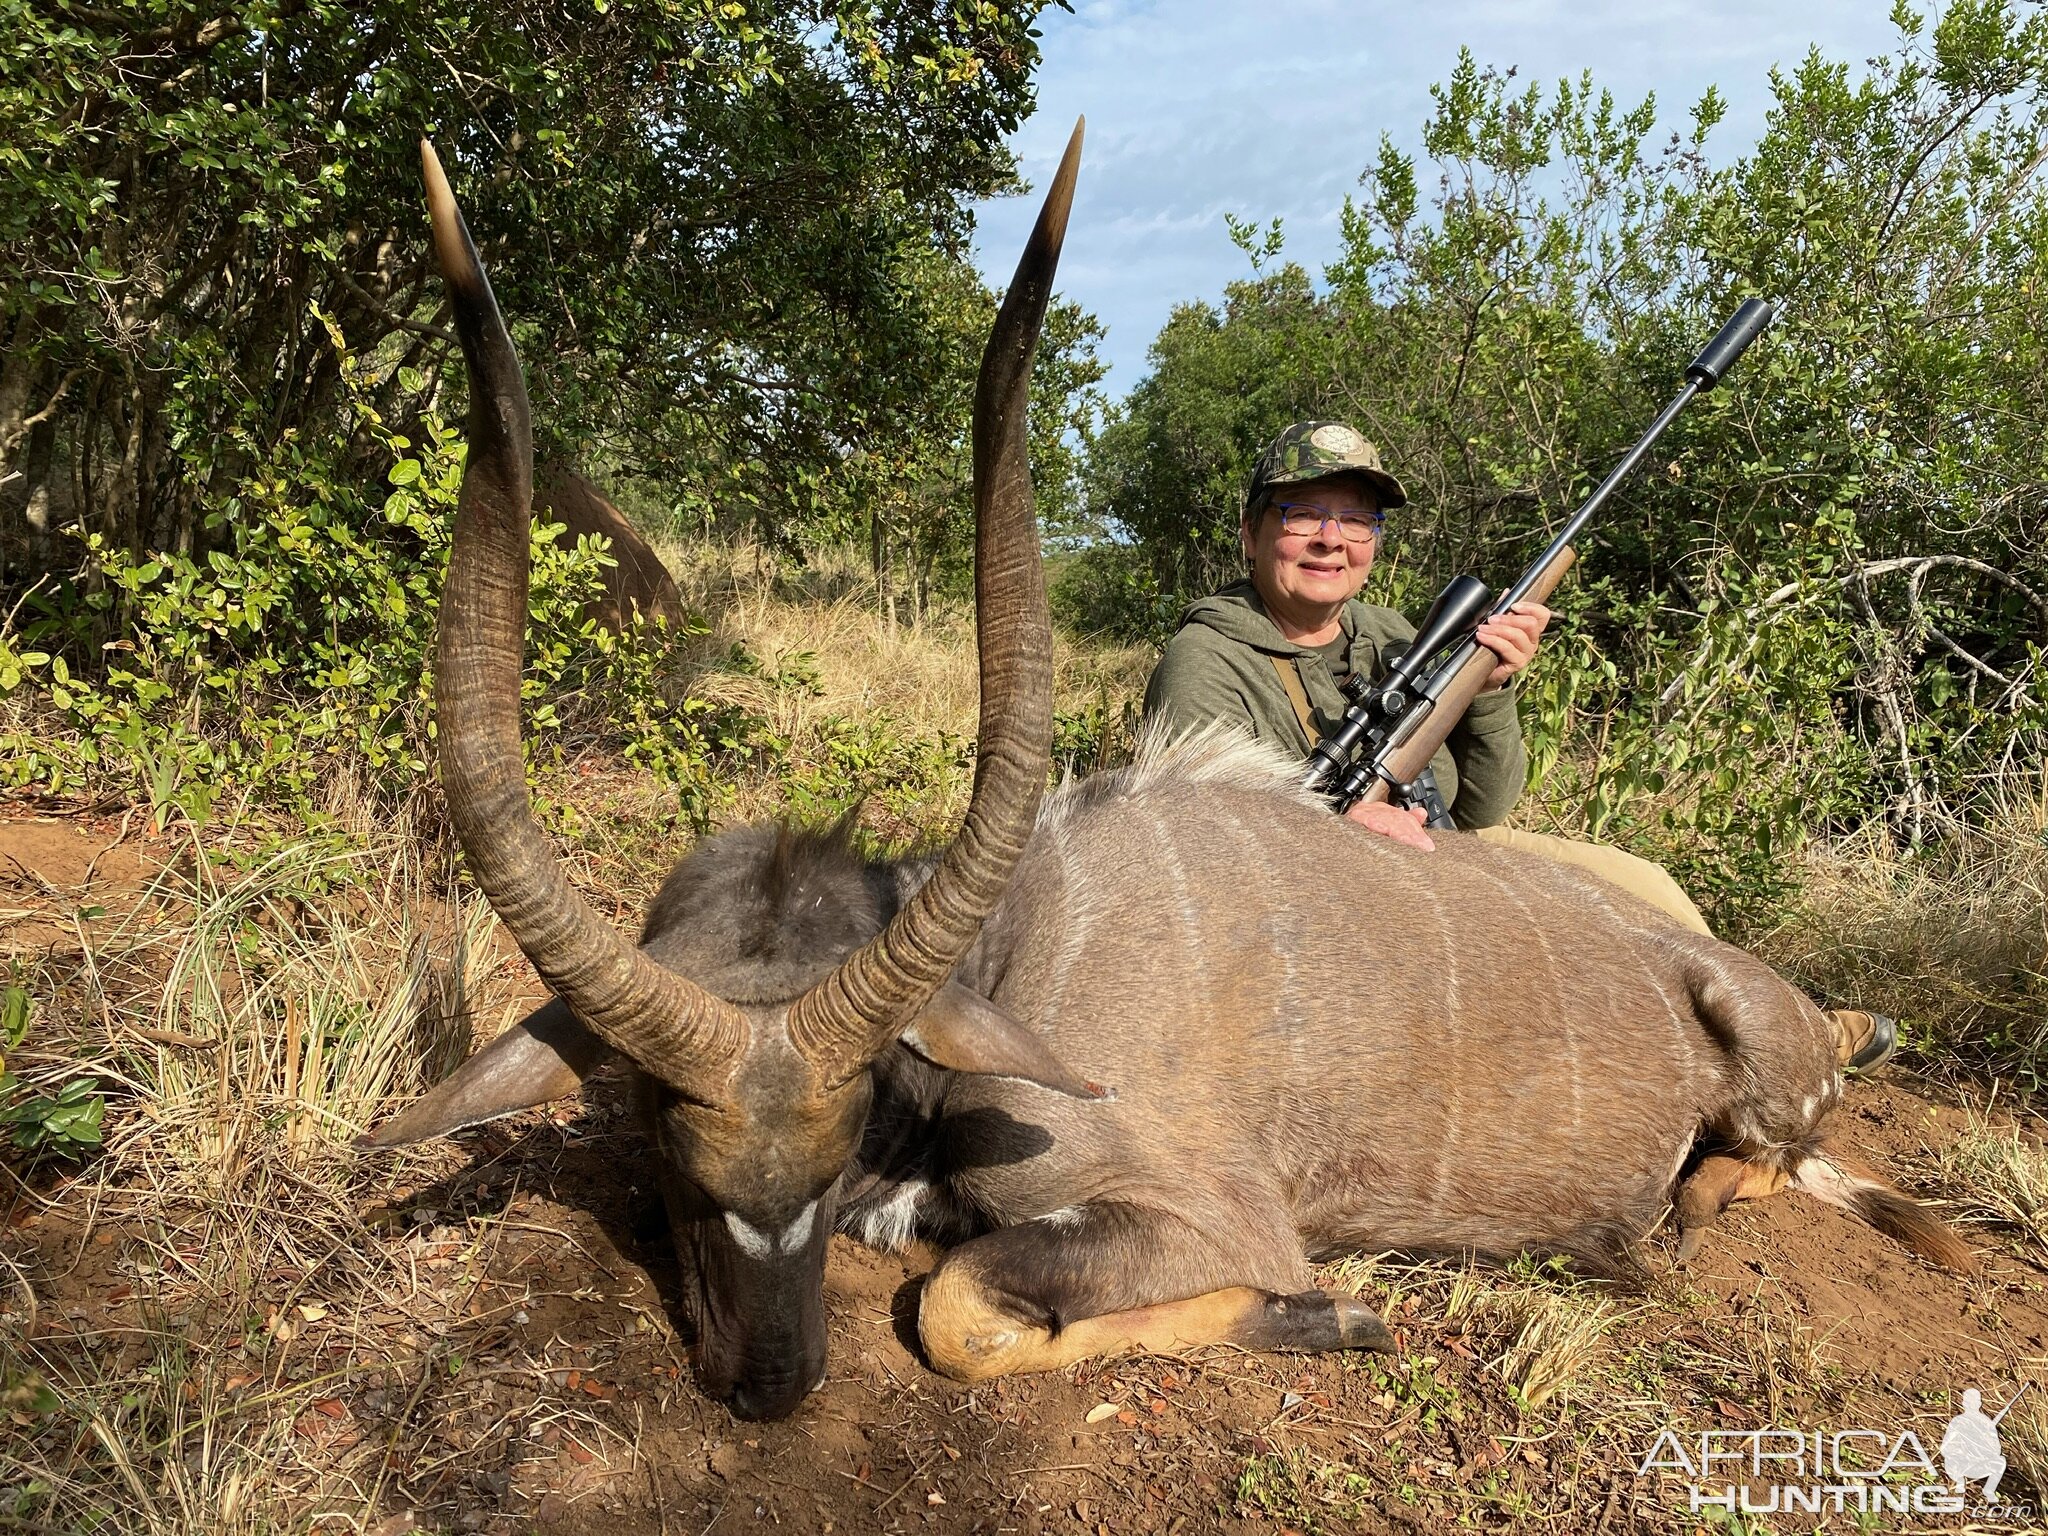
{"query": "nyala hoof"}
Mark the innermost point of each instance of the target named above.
(1316, 1322)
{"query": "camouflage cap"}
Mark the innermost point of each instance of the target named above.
(1316, 450)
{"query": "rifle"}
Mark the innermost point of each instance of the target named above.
(1380, 749)
(2009, 1406)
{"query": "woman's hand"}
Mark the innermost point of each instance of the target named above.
(1512, 637)
(1387, 821)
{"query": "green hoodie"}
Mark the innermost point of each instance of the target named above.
(1219, 667)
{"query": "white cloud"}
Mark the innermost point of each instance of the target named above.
(1272, 107)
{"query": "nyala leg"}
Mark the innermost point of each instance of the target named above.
(1064, 1288)
(1711, 1188)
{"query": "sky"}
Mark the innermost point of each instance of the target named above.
(1198, 108)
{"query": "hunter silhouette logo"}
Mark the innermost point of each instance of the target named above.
(1969, 1446)
(1854, 1471)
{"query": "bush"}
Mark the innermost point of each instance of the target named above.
(66, 1122)
(1111, 590)
(303, 641)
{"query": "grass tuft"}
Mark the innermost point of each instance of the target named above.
(1542, 1332)
(2023, 1437)
(1560, 1336)
(1995, 1175)
(1951, 939)
(254, 1011)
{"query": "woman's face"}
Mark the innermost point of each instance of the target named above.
(1306, 578)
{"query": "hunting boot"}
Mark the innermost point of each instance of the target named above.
(1863, 1041)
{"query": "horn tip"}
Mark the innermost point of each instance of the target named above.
(459, 264)
(435, 176)
(1071, 159)
(1059, 197)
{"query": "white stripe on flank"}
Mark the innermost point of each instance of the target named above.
(1564, 1022)
(1192, 937)
(1685, 1038)
(1447, 946)
(1632, 919)
(1073, 931)
(1251, 853)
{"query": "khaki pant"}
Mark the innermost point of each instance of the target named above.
(1639, 877)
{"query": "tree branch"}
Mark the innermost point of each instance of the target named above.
(376, 307)
(28, 424)
(1758, 613)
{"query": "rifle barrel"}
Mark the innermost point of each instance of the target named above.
(1718, 356)
(1598, 499)
(2008, 1407)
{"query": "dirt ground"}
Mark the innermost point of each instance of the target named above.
(529, 1375)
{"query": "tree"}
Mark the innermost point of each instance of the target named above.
(731, 240)
(704, 216)
(909, 501)
(1169, 469)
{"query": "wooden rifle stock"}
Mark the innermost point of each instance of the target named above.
(1409, 753)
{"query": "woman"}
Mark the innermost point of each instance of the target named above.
(1271, 651)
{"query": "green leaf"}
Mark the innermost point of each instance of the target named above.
(14, 1015)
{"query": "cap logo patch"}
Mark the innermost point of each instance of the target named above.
(1335, 438)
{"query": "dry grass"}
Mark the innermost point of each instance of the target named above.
(1541, 1333)
(310, 1025)
(1557, 1341)
(2023, 1436)
(1953, 939)
(1996, 1175)
(850, 708)
(1552, 1334)
(823, 650)
(251, 1014)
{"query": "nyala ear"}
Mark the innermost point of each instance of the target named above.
(965, 1032)
(842, 830)
(546, 1055)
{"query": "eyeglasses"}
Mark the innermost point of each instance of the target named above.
(1306, 517)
